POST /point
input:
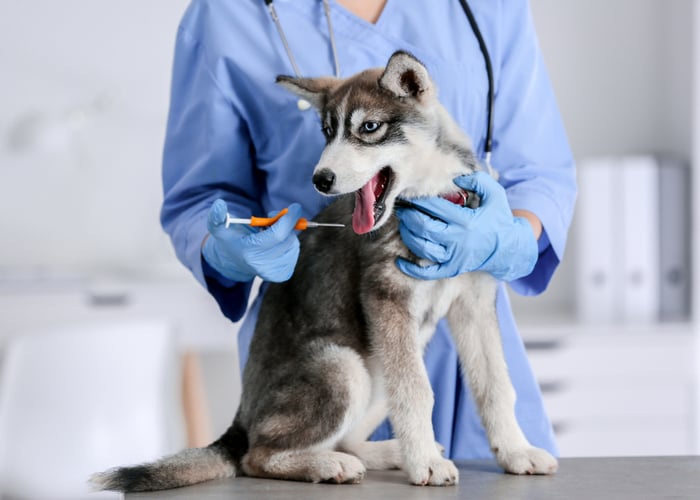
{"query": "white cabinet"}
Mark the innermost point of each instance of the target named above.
(619, 391)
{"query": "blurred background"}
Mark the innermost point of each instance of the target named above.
(110, 351)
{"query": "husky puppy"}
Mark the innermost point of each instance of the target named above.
(339, 346)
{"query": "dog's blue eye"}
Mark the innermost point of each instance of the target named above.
(370, 127)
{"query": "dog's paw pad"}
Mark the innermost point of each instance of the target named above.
(437, 472)
(529, 460)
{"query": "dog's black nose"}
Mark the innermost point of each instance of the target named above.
(323, 180)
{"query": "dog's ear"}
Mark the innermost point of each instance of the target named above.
(405, 76)
(314, 90)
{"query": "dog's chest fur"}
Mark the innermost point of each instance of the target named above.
(344, 288)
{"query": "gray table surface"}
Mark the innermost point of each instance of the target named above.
(577, 478)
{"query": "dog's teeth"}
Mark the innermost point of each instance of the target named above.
(379, 210)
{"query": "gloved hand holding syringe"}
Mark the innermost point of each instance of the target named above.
(238, 250)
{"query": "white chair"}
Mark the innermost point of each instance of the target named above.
(80, 400)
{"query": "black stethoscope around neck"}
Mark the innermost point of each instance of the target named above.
(302, 104)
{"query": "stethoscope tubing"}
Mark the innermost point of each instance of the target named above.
(288, 50)
(488, 143)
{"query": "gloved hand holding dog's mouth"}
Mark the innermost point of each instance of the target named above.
(462, 239)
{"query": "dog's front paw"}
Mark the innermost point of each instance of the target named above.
(341, 468)
(436, 472)
(528, 460)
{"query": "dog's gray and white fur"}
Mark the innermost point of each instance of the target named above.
(339, 346)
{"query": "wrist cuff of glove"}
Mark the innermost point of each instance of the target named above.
(517, 253)
(213, 268)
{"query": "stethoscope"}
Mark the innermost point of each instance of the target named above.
(303, 104)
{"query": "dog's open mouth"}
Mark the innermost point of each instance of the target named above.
(369, 201)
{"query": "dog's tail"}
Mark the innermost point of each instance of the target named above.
(218, 460)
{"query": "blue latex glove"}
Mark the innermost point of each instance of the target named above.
(241, 252)
(461, 239)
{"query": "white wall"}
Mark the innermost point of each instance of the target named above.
(622, 72)
(83, 100)
(695, 106)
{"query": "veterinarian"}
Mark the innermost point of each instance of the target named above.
(233, 134)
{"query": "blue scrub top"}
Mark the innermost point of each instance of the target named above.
(234, 134)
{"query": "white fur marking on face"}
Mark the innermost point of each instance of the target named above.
(327, 120)
(357, 118)
(341, 113)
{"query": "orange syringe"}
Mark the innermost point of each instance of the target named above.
(268, 221)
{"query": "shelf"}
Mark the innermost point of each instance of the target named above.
(623, 390)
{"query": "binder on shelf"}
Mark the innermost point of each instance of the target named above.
(639, 226)
(633, 240)
(597, 282)
(674, 239)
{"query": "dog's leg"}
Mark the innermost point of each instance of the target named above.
(376, 455)
(314, 466)
(474, 324)
(294, 427)
(410, 400)
(409, 395)
(381, 455)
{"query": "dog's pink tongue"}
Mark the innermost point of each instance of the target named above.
(363, 216)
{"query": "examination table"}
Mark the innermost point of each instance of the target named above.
(638, 478)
